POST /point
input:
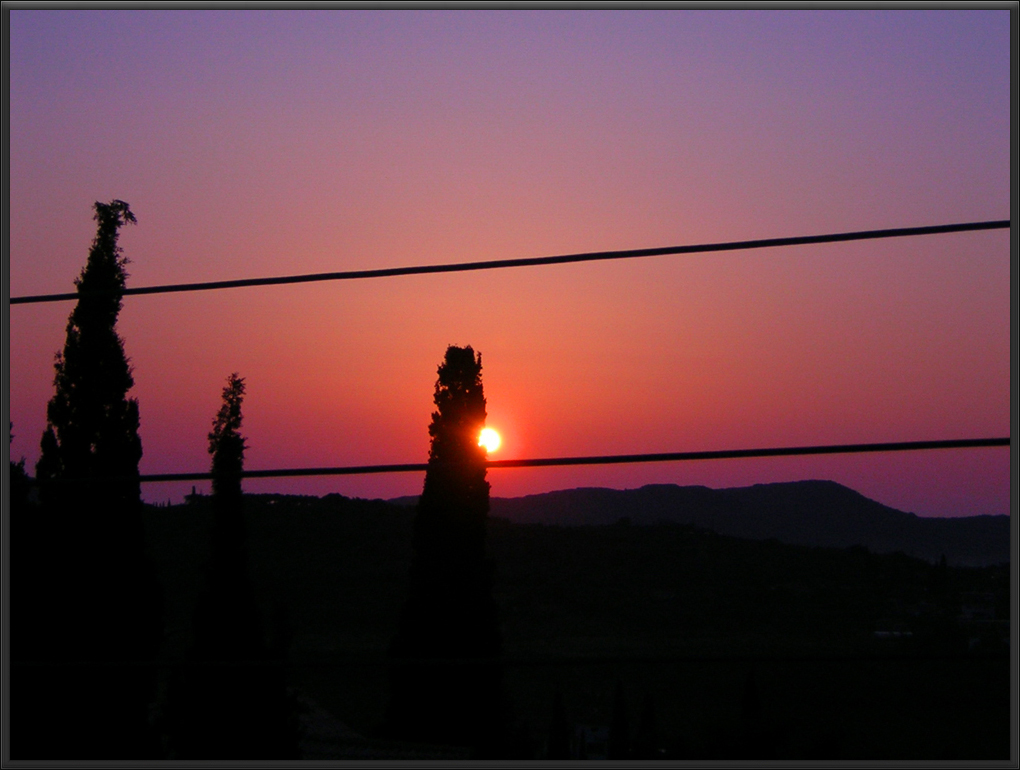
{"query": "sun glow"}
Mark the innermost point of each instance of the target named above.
(489, 439)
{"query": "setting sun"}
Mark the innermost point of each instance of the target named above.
(489, 439)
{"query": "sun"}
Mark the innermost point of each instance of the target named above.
(489, 439)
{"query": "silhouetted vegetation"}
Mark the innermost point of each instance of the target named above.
(450, 614)
(95, 605)
(740, 648)
(229, 699)
(676, 614)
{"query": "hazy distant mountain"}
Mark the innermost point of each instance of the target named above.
(815, 513)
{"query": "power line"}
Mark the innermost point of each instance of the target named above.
(899, 446)
(592, 256)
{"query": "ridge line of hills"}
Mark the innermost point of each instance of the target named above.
(811, 513)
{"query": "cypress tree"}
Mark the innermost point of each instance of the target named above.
(103, 611)
(92, 427)
(446, 682)
(230, 699)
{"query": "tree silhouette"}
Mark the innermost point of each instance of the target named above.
(99, 605)
(92, 430)
(446, 682)
(229, 700)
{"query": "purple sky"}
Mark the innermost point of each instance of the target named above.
(254, 143)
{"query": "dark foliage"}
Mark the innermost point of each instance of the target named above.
(229, 699)
(703, 608)
(450, 613)
(96, 606)
(92, 429)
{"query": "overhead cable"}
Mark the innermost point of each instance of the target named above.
(899, 446)
(592, 256)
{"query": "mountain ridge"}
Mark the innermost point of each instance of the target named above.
(811, 512)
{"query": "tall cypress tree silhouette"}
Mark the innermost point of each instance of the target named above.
(103, 606)
(230, 700)
(446, 681)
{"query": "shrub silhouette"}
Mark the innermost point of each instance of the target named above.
(98, 606)
(229, 700)
(446, 681)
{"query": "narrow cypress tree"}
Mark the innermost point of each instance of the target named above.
(92, 430)
(450, 613)
(230, 701)
(104, 606)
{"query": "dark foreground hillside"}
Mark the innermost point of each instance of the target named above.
(685, 643)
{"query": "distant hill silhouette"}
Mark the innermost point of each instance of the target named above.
(812, 513)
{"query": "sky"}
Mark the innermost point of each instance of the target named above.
(271, 142)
